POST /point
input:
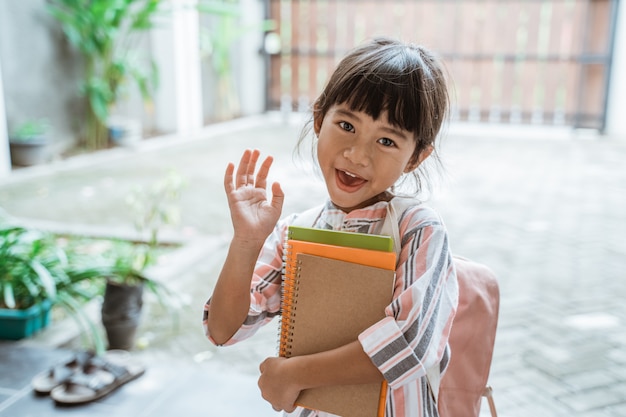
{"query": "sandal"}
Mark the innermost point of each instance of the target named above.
(44, 382)
(99, 377)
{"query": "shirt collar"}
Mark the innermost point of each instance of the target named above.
(363, 220)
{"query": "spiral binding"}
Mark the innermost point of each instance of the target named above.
(289, 289)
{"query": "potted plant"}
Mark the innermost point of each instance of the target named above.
(105, 32)
(27, 283)
(28, 142)
(35, 274)
(129, 273)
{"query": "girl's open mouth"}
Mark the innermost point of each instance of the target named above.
(349, 181)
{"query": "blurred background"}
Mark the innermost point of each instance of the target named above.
(119, 92)
(155, 68)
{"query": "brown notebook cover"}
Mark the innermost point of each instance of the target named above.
(327, 304)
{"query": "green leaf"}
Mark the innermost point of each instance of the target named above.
(9, 298)
(219, 8)
(144, 18)
(100, 98)
(45, 278)
(75, 310)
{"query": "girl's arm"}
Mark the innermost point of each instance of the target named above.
(230, 301)
(253, 218)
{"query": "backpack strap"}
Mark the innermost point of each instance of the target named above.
(395, 209)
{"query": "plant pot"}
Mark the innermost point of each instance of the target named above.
(124, 131)
(27, 153)
(121, 313)
(19, 324)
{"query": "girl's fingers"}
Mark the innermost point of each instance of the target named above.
(254, 157)
(261, 176)
(278, 196)
(228, 178)
(247, 160)
(246, 170)
(245, 174)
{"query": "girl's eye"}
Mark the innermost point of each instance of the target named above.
(386, 142)
(346, 126)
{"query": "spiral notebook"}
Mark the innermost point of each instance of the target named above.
(330, 295)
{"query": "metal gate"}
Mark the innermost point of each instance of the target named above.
(510, 61)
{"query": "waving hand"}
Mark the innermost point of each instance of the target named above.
(253, 216)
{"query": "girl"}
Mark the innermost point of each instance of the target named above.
(375, 122)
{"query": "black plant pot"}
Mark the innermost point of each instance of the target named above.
(121, 313)
(27, 153)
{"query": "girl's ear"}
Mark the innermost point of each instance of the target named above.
(415, 162)
(317, 120)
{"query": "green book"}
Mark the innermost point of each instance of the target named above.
(341, 238)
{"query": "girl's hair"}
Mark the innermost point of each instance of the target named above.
(385, 75)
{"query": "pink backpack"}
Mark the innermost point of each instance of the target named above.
(459, 392)
(471, 340)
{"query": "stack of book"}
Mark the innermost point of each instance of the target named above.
(336, 285)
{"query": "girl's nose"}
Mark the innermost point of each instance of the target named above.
(357, 154)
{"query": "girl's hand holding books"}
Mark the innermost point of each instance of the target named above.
(277, 384)
(253, 216)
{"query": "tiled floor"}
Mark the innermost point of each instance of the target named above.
(167, 389)
(545, 213)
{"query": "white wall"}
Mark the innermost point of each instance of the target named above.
(178, 102)
(251, 78)
(5, 158)
(179, 99)
(616, 122)
(41, 72)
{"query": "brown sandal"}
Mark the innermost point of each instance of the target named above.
(99, 377)
(45, 382)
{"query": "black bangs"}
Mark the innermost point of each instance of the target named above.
(405, 81)
(392, 85)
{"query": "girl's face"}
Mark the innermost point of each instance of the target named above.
(360, 157)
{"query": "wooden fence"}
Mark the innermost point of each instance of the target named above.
(510, 61)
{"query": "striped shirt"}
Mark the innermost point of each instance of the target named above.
(414, 334)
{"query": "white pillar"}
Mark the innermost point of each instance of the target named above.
(176, 50)
(251, 78)
(615, 120)
(5, 157)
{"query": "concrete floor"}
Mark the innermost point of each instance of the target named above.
(544, 208)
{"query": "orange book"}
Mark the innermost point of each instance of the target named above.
(330, 295)
(367, 257)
